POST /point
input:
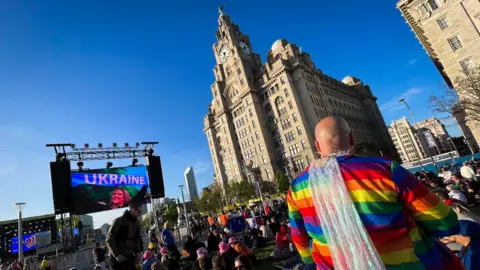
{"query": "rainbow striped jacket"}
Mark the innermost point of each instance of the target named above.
(403, 218)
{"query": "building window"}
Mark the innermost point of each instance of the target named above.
(256, 135)
(250, 112)
(290, 105)
(294, 116)
(282, 111)
(286, 124)
(278, 101)
(278, 142)
(304, 145)
(242, 81)
(286, 92)
(443, 23)
(253, 124)
(466, 64)
(269, 176)
(282, 80)
(433, 4)
(290, 136)
(264, 160)
(294, 149)
(239, 71)
(299, 164)
(260, 147)
(455, 43)
(299, 130)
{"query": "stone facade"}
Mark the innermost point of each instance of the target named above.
(449, 31)
(406, 140)
(262, 116)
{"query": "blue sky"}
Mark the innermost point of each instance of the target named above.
(126, 71)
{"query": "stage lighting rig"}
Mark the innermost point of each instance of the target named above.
(134, 162)
(80, 166)
(76, 153)
(109, 164)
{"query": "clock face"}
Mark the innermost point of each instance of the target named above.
(244, 47)
(224, 53)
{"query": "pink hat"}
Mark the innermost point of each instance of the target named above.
(223, 247)
(164, 250)
(201, 252)
(232, 240)
(147, 255)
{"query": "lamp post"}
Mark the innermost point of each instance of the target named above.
(184, 209)
(420, 135)
(20, 206)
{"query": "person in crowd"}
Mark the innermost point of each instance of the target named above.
(99, 255)
(469, 237)
(266, 230)
(382, 208)
(242, 262)
(202, 262)
(163, 255)
(282, 243)
(120, 198)
(443, 195)
(456, 194)
(218, 263)
(258, 241)
(26, 264)
(445, 174)
(274, 225)
(224, 220)
(158, 266)
(189, 249)
(169, 239)
(467, 172)
(123, 240)
(173, 261)
(148, 260)
(229, 254)
(45, 264)
(152, 233)
(211, 222)
(242, 249)
(212, 241)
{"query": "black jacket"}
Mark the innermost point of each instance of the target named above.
(123, 237)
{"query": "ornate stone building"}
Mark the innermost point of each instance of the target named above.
(262, 116)
(439, 133)
(449, 31)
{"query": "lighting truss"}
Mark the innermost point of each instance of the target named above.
(73, 153)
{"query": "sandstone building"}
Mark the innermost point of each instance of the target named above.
(262, 116)
(449, 31)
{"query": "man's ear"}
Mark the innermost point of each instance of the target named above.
(317, 146)
(352, 140)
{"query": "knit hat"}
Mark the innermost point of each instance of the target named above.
(147, 255)
(164, 250)
(232, 240)
(201, 252)
(223, 247)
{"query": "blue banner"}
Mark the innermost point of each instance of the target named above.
(28, 243)
(127, 176)
(110, 188)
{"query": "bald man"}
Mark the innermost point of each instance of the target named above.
(394, 221)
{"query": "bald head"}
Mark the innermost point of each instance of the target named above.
(333, 134)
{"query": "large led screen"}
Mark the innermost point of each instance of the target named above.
(106, 189)
(28, 243)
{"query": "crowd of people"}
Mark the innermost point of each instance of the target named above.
(344, 212)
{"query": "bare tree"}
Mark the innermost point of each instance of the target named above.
(465, 96)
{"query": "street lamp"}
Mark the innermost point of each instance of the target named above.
(20, 206)
(184, 209)
(418, 132)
